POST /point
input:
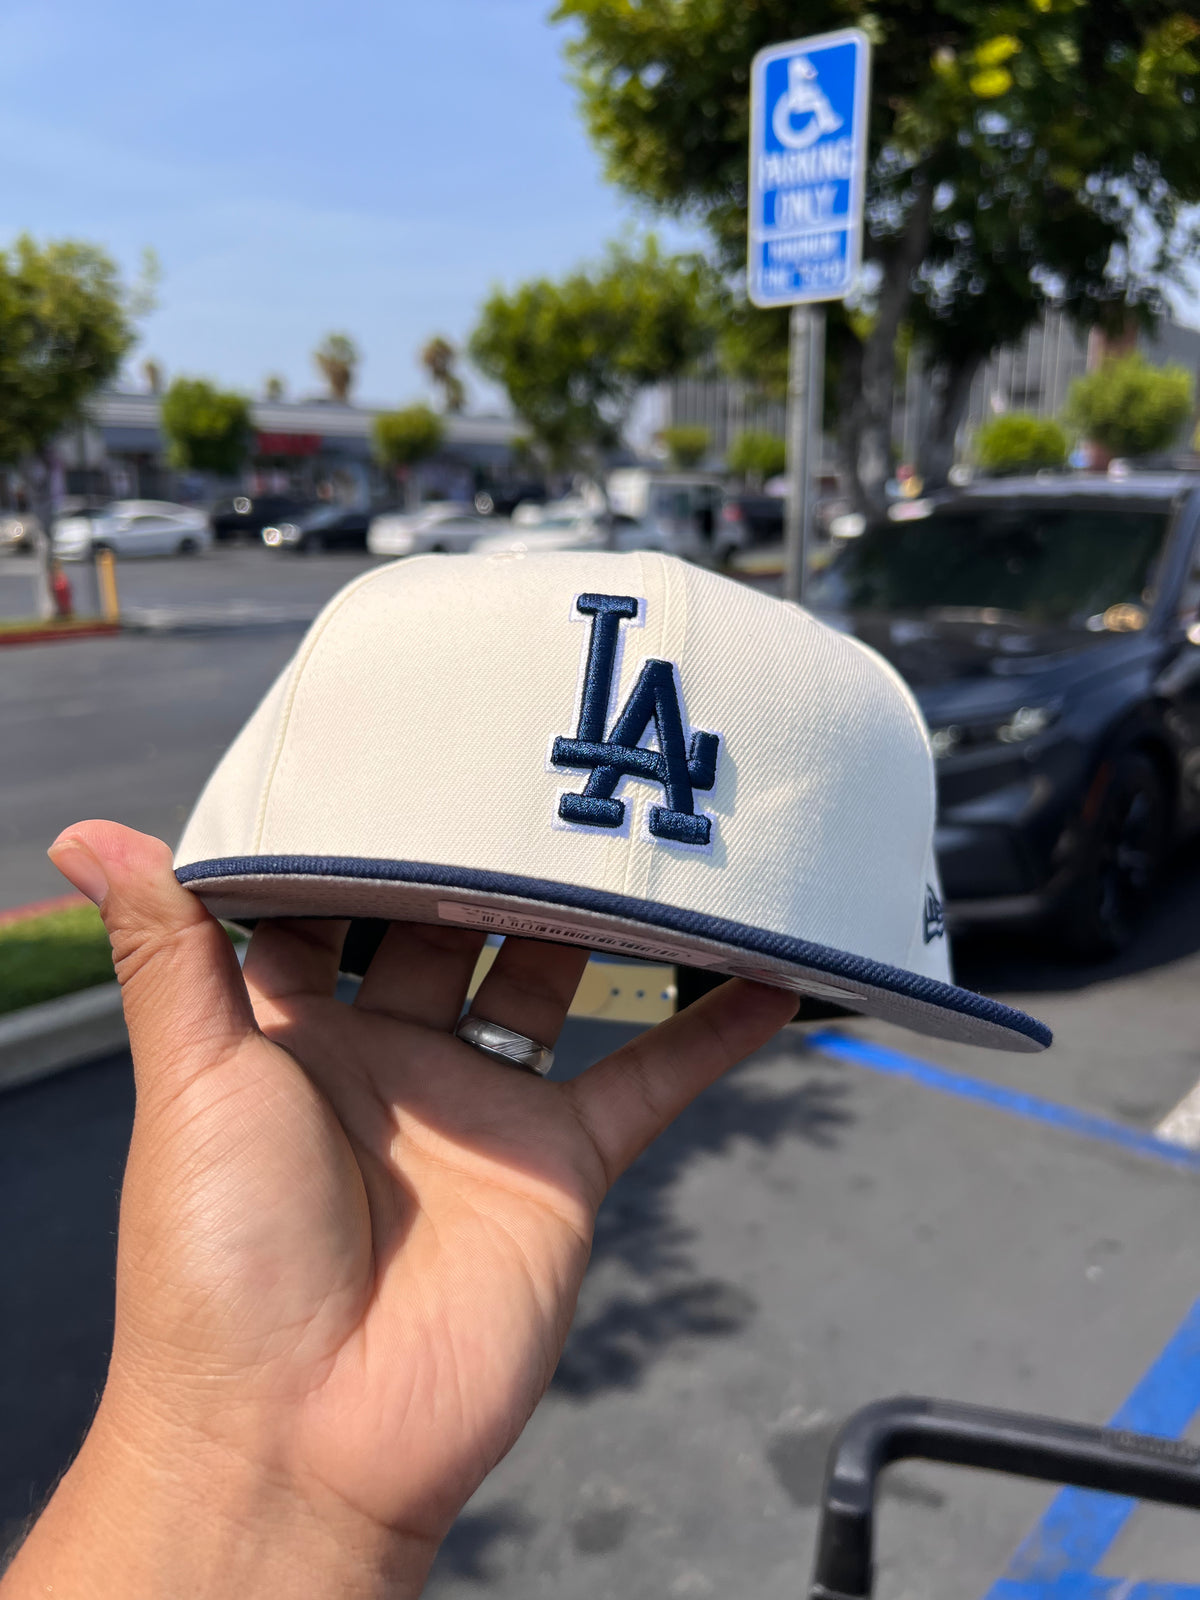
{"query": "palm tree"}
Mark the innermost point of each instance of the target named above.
(438, 358)
(336, 358)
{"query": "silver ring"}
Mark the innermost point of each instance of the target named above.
(502, 1044)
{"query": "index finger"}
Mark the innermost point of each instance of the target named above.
(625, 1101)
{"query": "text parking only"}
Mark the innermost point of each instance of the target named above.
(808, 149)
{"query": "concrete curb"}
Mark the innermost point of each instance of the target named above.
(42, 1040)
(101, 630)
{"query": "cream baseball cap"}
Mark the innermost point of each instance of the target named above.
(624, 752)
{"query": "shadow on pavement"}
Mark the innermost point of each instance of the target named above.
(638, 1229)
(63, 1144)
(62, 1153)
(473, 1547)
(1015, 962)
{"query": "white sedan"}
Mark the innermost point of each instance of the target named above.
(134, 528)
(570, 531)
(445, 526)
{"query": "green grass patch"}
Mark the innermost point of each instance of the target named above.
(55, 954)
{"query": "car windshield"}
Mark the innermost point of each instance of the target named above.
(1049, 565)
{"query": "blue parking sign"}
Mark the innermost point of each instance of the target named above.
(808, 150)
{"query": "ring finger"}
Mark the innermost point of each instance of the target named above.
(529, 988)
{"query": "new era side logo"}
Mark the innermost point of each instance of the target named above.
(935, 916)
(678, 768)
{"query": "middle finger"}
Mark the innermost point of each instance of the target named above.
(420, 973)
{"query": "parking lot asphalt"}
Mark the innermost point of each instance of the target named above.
(229, 572)
(809, 1236)
(825, 1227)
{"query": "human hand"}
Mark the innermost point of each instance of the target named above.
(350, 1244)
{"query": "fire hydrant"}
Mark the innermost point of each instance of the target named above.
(60, 588)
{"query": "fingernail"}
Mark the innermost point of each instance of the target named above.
(79, 867)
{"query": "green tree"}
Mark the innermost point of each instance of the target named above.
(66, 324)
(337, 360)
(756, 456)
(1129, 407)
(440, 360)
(686, 445)
(405, 437)
(573, 355)
(207, 429)
(1018, 150)
(1020, 442)
(273, 387)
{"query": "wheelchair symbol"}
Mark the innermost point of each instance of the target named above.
(804, 98)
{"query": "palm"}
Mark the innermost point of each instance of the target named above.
(381, 1233)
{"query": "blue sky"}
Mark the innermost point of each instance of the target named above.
(372, 166)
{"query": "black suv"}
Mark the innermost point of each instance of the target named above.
(245, 516)
(1050, 629)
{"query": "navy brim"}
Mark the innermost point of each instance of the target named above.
(241, 888)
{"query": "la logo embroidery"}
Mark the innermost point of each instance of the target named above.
(678, 768)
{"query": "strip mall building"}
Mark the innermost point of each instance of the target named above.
(309, 447)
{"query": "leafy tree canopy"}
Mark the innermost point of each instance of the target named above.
(1020, 442)
(404, 437)
(208, 429)
(573, 354)
(1019, 151)
(1129, 407)
(756, 456)
(66, 323)
(686, 445)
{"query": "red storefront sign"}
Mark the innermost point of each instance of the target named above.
(287, 444)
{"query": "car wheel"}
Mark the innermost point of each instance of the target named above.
(437, 549)
(188, 547)
(1121, 859)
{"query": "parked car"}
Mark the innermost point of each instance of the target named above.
(1050, 629)
(682, 509)
(320, 527)
(569, 530)
(133, 528)
(750, 519)
(246, 515)
(501, 500)
(446, 525)
(18, 531)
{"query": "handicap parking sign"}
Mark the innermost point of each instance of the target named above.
(808, 147)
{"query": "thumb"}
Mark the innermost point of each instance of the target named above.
(185, 1002)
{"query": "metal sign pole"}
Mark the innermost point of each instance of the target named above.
(795, 535)
(806, 385)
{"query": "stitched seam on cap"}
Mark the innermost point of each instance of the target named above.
(627, 885)
(917, 719)
(818, 957)
(316, 633)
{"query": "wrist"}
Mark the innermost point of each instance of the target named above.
(140, 1515)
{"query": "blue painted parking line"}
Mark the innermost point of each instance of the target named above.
(1080, 1526)
(1059, 1558)
(1087, 1586)
(1049, 1112)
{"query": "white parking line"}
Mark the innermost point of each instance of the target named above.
(1182, 1125)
